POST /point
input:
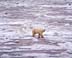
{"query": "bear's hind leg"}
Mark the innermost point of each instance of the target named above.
(33, 34)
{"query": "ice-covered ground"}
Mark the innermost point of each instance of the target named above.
(17, 18)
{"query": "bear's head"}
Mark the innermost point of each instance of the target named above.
(43, 30)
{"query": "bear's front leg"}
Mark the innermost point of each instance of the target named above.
(42, 36)
(38, 35)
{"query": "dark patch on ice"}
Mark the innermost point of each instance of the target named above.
(6, 13)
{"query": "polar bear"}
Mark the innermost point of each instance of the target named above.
(38, 31)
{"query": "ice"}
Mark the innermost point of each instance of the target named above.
(34, 39)
(36, 54)
(19, 17)
(5, 56)
(45, 47)
(68, 45)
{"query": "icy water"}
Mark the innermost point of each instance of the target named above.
(18, 17)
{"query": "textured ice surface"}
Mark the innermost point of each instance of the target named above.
(19, 17)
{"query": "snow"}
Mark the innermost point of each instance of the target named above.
(5, 56)
(22, 16)
(45, 47)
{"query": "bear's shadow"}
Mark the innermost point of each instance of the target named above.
(44, 41)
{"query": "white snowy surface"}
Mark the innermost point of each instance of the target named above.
(19, 17)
